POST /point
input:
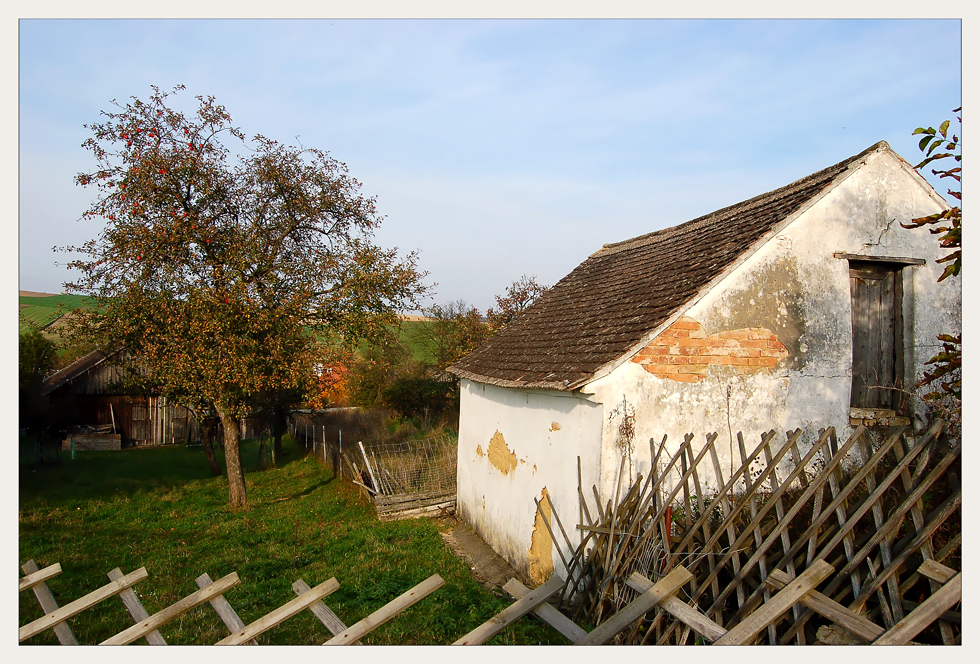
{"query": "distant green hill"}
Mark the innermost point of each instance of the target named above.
(44, 311)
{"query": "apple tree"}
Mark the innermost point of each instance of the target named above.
(219, 269)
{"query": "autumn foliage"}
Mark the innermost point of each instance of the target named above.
(219, 269)
(943, 381)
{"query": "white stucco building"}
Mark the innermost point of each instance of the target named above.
(789, 310)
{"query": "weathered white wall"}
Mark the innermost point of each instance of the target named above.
(512, 445)
(796, 289)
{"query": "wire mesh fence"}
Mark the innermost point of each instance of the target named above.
(404, 474)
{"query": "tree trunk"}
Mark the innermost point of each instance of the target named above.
(233, 460)
(208, 428)
(278, 429)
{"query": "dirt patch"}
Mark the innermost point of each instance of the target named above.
(487, 567)
(27, 293)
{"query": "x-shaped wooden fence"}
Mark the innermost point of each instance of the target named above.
(859, 506)
(147, 626)
(662, 594)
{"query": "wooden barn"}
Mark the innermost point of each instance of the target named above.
(91, 390)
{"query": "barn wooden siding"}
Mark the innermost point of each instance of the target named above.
(94, 395)
(140, 420)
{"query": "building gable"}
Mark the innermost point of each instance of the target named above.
(618, 300)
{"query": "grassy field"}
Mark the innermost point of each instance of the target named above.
(42, 311)
(161, 509)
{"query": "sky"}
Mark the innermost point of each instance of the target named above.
(495, 148)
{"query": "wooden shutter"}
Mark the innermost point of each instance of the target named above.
(876, 329)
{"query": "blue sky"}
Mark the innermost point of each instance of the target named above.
(496, 148)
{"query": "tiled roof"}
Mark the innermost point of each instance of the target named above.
(606, 305)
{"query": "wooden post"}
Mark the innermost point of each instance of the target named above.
(760, 619)
(854, 623)
(60, 615)
(48, 603)
(224, 610)
(687, 614)
(519, 608)
(285, 611)
(927, 612)
(638, 607)
(387, 612)
(323, 612)
(374, 480)
(173, 611)
(548, 613)
(39, 577)
(136, 609)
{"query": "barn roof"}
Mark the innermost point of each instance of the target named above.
(69, 373)
(623, 292)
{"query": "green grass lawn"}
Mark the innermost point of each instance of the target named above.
(161, 509)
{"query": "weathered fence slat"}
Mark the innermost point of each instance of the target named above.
(927, 612)
(387, 612)
(48, 604)
(513, 612)
(638, 607)
(747, 630)
(686, 613)
(136, 609)
(322, 611)
(173, 611)
(936, 571)
(547, 613)
(224, 610)
(39, 577)
(853, 622)
(918, 520)
(80, 604)
(848, 526)
(899, 512)
(276, 616)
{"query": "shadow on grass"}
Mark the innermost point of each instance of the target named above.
(305, 492)
(106, 474)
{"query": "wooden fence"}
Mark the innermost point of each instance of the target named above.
(147, 627)
(869, 508)
(405, 478)
(660, 596)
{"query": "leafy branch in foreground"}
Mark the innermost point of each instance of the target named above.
(945, 378)
(951, 218)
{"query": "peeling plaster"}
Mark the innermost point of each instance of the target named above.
(539, 556)
(555, 426)
(684, 353)
(500, 456)
(479, 450)
(771, 297)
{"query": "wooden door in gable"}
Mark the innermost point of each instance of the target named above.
(876, 333)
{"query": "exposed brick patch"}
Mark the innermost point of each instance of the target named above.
(683, 352)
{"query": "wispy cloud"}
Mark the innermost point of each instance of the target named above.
(499, 147)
